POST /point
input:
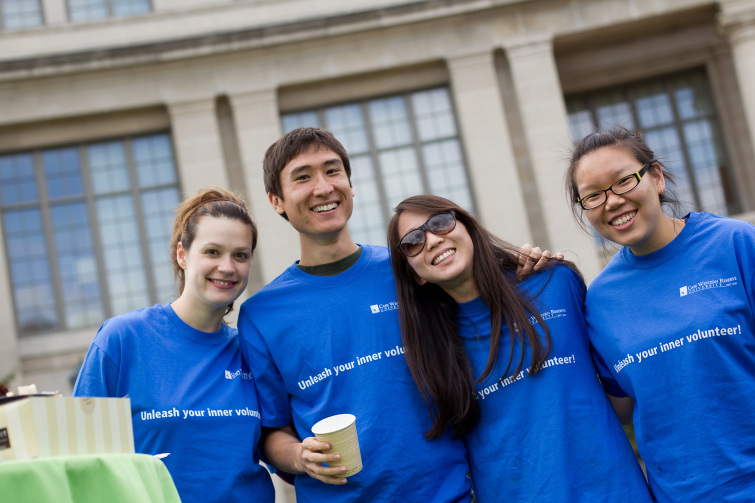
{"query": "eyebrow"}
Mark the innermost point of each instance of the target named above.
(298, 169)
(218, 245)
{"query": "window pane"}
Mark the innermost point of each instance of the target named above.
(613, 109)
(153, 157)
(158, 208)
(62, 173)
(367, 223)
(17, 181)
(122, 250)
(666, 144)
(108, 167)
(290, 122)
(706, 164)
(347, 124)
(87, 10)
(653, 105)
(19, 14)
(692, 96)
(390, 124)
(580, 118)
(401, 176)
(74, 250)
(130, 7)
(433, 114)
(445, 172)
(29, 271)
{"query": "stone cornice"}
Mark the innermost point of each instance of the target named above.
(217, 43)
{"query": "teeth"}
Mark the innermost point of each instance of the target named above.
(624, 219)
(224, 283)
(443, 256)
(325, 207)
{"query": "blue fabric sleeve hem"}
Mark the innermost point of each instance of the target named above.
(275, 424)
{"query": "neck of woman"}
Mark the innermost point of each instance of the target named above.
(668, 229)
(199, 316)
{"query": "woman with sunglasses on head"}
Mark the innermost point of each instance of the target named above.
(192, 396)
(671, 318)
(536, 422)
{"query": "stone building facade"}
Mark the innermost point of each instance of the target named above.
(111, 110)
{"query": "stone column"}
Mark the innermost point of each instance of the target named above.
(54, 12)
(258, 127)
(196, 137)
(487, 143)
(546, 129)
(737, 22)
(10, 363)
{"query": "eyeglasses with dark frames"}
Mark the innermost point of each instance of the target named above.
(621, 186)
(413, 241)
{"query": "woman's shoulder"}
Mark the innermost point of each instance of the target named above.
(129, 324)
(557, 277)
(722, 227)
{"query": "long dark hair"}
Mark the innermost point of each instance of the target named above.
(427, 314)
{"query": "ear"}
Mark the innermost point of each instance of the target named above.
(353, 194)
(181, 254)
(656, 173)
(276, 202)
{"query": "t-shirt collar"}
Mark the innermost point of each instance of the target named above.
(192, 333)
(658, 257)
(345, 277)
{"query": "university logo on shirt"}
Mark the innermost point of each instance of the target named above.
(707, 285)
(381, 308)
(238, 373)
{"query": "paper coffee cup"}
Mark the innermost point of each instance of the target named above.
(341, 433)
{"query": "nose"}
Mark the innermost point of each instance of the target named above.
(225, 265)
(322, 186)
(613, 201)
(432, 240)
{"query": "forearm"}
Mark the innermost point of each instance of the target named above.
(283, 449)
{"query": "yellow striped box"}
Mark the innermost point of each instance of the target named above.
(41, 426)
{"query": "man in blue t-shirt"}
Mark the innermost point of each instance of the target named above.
(323, 339)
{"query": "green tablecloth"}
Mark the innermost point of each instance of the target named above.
(103, 478)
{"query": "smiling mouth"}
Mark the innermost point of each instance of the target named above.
(443, 256)
(624, 219)
(325, 207)
(220, 282)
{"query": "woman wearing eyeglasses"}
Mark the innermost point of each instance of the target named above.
(536, 422)
(671, 318)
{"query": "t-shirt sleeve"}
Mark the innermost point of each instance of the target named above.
(610, 385)
(98, 375)
(275, 406)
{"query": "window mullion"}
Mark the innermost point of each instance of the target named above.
(683, 142)
(95, 229)
(44, 206)
(140, 223)
(375, 161)
(417, 144)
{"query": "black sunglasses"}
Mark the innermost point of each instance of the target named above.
(414, 241)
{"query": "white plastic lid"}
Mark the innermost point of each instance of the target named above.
(333, 424)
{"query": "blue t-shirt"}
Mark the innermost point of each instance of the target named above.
(191, 396)
(331, 345)
(551, 436)
(674, 330)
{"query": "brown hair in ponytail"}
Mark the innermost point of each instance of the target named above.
(212, 202)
